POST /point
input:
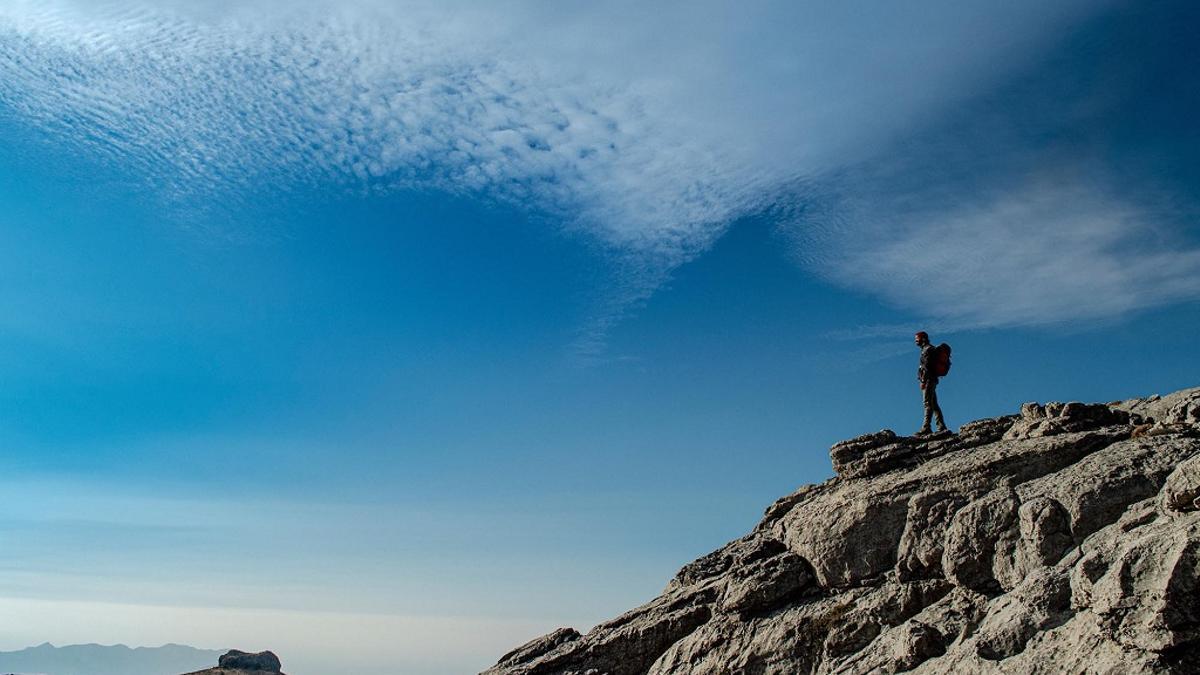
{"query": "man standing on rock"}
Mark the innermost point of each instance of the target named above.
(927, 376)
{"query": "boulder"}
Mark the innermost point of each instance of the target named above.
(1061, 418)
(237, 662)
(1182, 490)
(265, 662)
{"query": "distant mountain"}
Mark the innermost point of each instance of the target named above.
(46, 659)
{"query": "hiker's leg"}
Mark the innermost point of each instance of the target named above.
(937, 409)
(929, 398)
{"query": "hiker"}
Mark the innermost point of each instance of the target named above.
(927, 374)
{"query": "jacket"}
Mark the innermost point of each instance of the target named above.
(925, 369)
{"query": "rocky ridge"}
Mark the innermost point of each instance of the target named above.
(1063, 539)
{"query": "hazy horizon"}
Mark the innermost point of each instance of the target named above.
(95, 659)
(393, 335)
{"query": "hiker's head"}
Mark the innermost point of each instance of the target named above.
(921, 338)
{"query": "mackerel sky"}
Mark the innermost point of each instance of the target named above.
(391, 335)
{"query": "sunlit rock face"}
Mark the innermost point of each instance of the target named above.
(1065, 538)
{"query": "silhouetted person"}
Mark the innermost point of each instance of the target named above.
(927, 375)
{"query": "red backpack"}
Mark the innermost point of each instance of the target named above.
(941, 360)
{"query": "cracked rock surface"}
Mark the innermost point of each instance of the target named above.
(1063, 539)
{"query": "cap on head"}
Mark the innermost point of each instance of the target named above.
(922, 336)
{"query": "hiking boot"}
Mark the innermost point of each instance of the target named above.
(941, 429)
(923, 431)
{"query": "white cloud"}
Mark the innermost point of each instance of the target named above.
(1059, 196)
(648, 127)
(366, 95)
(1040, 253)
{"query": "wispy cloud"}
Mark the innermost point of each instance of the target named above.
(1065, 195)
(649, 129)
(371, 97)
(1038, 254)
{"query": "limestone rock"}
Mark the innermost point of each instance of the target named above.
(871, 453)
(1174, 414)
(767, 584)
(922, 544)
(538, 647)
(264, 661)
(975, 534)
(237, 662)
(1060, 418)
(1182, 491)
(884, 451)
(1065, 538)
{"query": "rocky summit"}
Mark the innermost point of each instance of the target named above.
(1063, 539)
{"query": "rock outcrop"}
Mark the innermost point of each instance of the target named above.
(1064, 539)
(236, 662)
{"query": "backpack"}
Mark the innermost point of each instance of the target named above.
(941, 360)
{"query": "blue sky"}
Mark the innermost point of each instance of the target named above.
(401, 334)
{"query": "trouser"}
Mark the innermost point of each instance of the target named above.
(932, 409)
